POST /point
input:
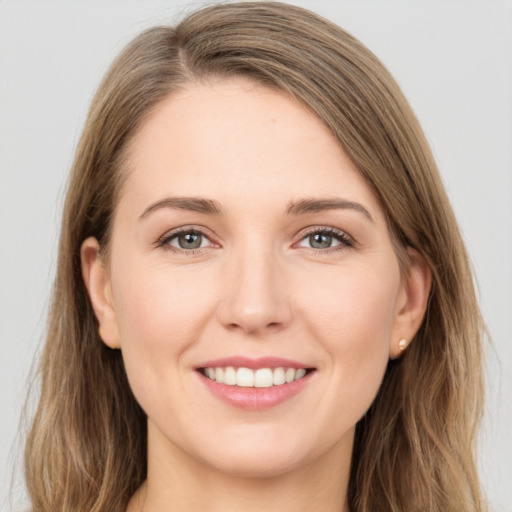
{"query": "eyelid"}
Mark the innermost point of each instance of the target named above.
(346, 241)
(164, 240)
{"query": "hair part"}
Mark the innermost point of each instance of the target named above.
(413, 452)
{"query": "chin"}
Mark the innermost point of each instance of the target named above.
(262, 456)
(263, 465)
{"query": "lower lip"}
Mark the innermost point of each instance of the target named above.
(255, 399)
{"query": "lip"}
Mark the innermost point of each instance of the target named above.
(254, 364)
(254, 399)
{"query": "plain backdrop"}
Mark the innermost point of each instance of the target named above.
(453, 59)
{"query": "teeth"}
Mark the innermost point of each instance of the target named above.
(230, 376)
(244, 378)
(300, 373)
(289, 375)
(263, 378)
(247, 378)
(278, 377)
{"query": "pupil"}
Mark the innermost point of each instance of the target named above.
(320, 241)
(189, 241)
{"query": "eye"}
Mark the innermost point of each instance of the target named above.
(325, 238)
(185, 240)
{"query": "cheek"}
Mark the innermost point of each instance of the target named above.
(353, 307)
(160, 314)
(351, 314)
(165, 302)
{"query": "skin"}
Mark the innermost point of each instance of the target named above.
(257, 287)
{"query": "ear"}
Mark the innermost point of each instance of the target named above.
(412, 303)
(97, 281)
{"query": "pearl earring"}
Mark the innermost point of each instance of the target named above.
(402, 344)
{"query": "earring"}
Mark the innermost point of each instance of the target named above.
(402, 344)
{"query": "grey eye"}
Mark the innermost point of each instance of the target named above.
(320, 241)
(325, 239)
(188, 240)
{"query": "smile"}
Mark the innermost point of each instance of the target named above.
(254, 384)
(249, 378)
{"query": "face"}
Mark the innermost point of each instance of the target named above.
(252, 284)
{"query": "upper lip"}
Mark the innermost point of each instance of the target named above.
(253, 363)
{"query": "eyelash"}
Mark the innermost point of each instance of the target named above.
(340, 236)
(344, 240)
(165, 241)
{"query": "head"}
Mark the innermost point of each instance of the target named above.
(422, 421)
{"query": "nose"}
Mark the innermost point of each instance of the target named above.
(255, 297)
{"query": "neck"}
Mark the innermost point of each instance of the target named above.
(177, 482)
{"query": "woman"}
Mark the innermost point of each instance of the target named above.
(262, 297)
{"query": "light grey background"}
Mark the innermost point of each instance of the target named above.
(453, 58)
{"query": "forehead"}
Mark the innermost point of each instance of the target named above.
(238, 141)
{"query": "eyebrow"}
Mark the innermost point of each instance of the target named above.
(300, 207)
(195, 204)
(304, 206)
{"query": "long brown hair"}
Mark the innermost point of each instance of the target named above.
(86, 450)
